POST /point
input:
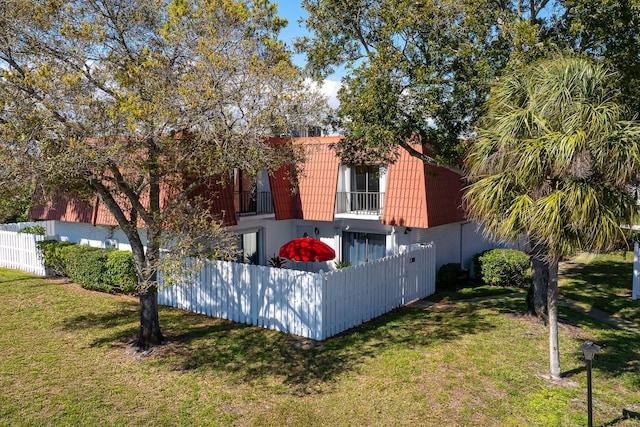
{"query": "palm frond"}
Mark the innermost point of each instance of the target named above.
(554, 158)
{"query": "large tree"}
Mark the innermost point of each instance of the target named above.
(418, 69)
(554, 160)
(424, 68)
(142, 102)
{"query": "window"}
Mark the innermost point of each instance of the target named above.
(366, 179)
(249, 245)
(358, 248)
(252, 195)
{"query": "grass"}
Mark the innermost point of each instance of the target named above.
(604, 281)
(471, 289)
(64, 360)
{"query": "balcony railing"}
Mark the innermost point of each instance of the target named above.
(359, 203)
(253, 203)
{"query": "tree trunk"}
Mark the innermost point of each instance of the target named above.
(150, 333)
(552, 297)
(538, 290)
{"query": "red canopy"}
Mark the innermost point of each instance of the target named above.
(307, 249)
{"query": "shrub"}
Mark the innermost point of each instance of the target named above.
(121, 271)
(51, 253)
(341, 264)
(98, 269)
(33, 229)
(86, 266)
(505, 267)
(448, 275)
(477, 265)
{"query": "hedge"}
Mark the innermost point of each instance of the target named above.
(504, 267)
(121, 271)
(51, 252)
(87, 266)
(106, 270)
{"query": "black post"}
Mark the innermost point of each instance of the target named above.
(589, 405)
(589, 350)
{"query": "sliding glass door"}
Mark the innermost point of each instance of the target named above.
(358, 248)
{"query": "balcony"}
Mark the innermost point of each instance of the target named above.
(359, 203)
(249, 203)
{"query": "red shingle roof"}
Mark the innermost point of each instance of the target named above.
(416, 196)
(68, 208)
(221, 200)
(63, 208)
(444, 196)
(405, 203)
(286, 200)
(419, 196)
(318, 181)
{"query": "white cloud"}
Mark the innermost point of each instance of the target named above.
(330, 90)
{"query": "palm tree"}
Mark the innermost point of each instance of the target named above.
(554, 160)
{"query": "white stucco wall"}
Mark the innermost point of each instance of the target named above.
(453, 242)
(457, 242)
(98, 236)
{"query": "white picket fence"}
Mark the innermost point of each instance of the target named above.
(312, 305)
(19, 252)
(355, 295)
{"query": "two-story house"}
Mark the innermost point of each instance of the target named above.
(364, 212)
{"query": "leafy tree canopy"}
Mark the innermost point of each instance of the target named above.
(416, 69)
(143, 101)
(421, 70)
(610, 30)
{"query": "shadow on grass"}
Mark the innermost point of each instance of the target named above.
(620, 352)
(8, 276)
(199, 343)
(601, 282)
(119, 324)
(10, 280)
(249, 353)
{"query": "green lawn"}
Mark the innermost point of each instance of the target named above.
(603, 281)
(64, 360)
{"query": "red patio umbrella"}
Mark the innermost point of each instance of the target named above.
(307, 249)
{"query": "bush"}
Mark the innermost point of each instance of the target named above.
(51, 253)
(87, 267)
(477, 265)
(505, 267)
(98, 269)
(121, 271)
(448, 275)
(33, 229)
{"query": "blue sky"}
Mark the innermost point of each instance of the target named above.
(291, 10)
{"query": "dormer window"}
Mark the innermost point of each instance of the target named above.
(361, 190)
(252, 195)
(365, 181)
